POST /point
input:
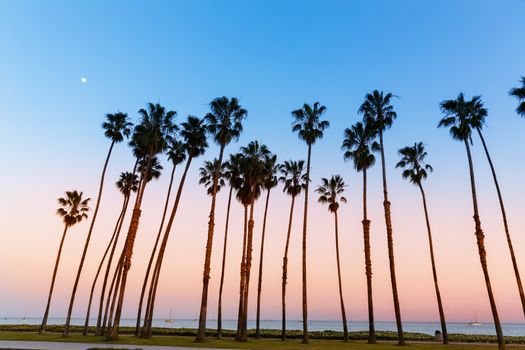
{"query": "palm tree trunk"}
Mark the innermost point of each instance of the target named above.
(241, 286)
(390, 240)
(434, 272)
(480, 239)
(146, 277)
(201, 334)
(343, 312)
(305, 222)
(93, 285)
(57, 261)
(259, 284)
(158, 264)
(113, 294)
(505, 224)
(219, 309)
(368, 267)
(86, 244)
(249, 249)
(285, 271)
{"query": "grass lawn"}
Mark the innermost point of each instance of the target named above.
(231, 344)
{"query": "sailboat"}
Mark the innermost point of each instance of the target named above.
(476, 323)
(170, 320)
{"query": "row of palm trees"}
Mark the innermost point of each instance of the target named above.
(247, 174)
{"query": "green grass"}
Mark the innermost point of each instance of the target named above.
(187, 341)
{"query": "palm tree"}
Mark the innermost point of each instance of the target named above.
(116, 128)
(519, 94)
(358, 145)
(379, 113)
(193, 133)
(73, 209)
(176, 154)
(126, 184)
(294, 179)
(224, 125)
(460, 119)
(415, 171)
(330, 192)
(232, 174)
(309, 127)
(207, 175)
(269, 182)
(150, 138)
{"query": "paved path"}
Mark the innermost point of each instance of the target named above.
(41, 345)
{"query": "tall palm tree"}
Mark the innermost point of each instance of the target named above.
(224, 125)
(126, 184)
(330, 192)
(479, 114)
(415, 171)
(358, 145)
(255, 171)
(207, 175)
(193, 133)
(519, 94)
(460, 121)
(378, 112)
(73, 209)
(309, 127)
(294, 178)
(150, 138)
(269, 182)
(116, 128)
(176, 154)
(232, 174)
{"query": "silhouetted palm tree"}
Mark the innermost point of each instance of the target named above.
(232, 174)
(225, 125)
(294, 178)
(176, 154)
(150, 138)
(330, 192)
(379, 113)
(116, 128)
(126, 184)
(309, 127)
(193, 133)
(416, 170)
(519, 94)
(73, 209)
(268, 183)
(207, 175)
(460, 120)
(358, 145)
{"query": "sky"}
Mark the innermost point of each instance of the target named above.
(274, 56)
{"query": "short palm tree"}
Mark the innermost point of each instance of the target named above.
(126, 184)
(330, 192)
(193, 134)
(379, 113)
(519, 94)
(150, 138)
(232, 175)
(309, 127)
(117, 127)
(294, 179)
(460, 121)
(73, 209)
(176, 154)
(416, 170)
(358, 145)
(224, 124)
(269, 182)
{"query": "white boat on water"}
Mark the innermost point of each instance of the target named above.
(476, 323)
(170, 320)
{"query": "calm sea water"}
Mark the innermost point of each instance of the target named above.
(511, 329)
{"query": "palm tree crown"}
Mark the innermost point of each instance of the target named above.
(519, 94)
(413, 162)
(253, 171)
(377, 110)
(358, 145)
(271, 169)
(330, 192)
(117, 126)
(155, 169)
(176, 151)
(207, 174)
(73, 208)
(293, 176)
(462, 116)
(308, 123)
(151, 136)
(194, 134)
(127, 183)
(224, 122)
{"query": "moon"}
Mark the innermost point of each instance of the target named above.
(83, 80)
